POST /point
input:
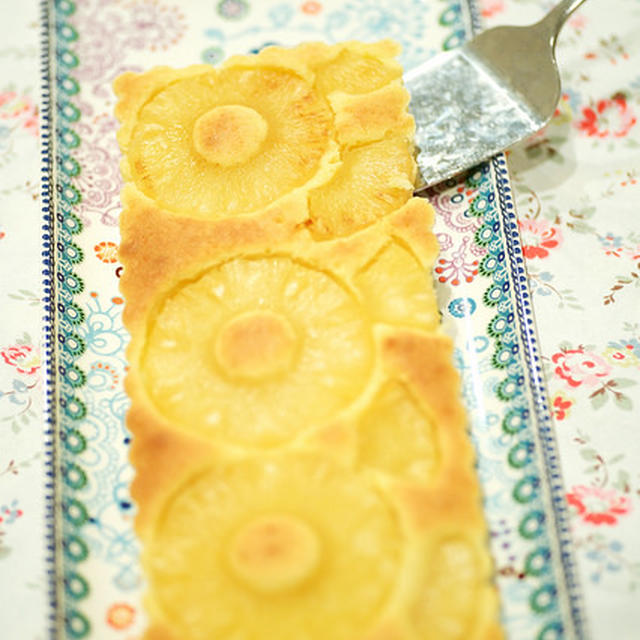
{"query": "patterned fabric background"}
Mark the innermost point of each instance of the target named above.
(578, 190)
(23, 581)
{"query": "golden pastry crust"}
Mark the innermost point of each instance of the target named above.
(300, 448)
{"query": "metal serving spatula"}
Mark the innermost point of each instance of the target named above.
(476, 101)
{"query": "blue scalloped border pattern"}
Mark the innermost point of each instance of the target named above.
(65, 410)
(48, 319)
(518, 431)
(518, 422)
(543, 420)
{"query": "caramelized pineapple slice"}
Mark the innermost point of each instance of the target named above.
(359, 69)
(361, 119)
(398, 289)
(285, 547)
(373, 180)
(256, 350)
(229, 142)
(396, 436)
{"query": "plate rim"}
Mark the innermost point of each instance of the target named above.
(62, 345)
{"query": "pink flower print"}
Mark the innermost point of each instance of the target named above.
(311, 8)
(577, 367)
(23, 357)
(561, 406)
(622, 357)
(578, 21)
(608, 118)
(490, 8)
(10, 513)
(14, 106)
(598, 506)
(612, 245)
(31, 124)
(538, 237)
(634, 252)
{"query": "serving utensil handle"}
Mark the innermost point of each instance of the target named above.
(553, 22)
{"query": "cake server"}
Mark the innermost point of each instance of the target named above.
(495, 90)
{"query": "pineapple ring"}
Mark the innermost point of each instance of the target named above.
(246, 331)
(208, 562)
(275, 553)
(373, 180)
(272, 129)
(413, 450)
(229, 135)
(256, 345)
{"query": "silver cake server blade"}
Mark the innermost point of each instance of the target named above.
(480, 99)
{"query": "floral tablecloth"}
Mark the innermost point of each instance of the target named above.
(578, 194)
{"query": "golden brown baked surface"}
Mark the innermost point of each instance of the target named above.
(303, 470)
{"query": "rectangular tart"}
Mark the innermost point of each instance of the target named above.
(303, 470)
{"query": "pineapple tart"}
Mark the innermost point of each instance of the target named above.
(302, 466)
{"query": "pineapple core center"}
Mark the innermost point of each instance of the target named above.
(274, 553)
(256, 345)
(229, 135)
